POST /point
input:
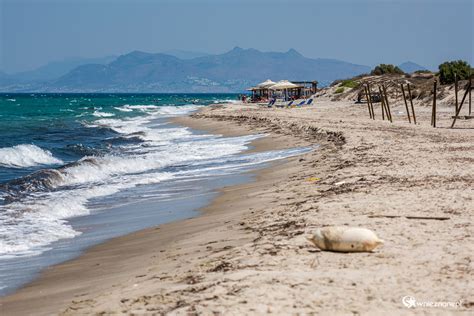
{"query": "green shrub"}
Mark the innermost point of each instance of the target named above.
(425, 71)
(339, 90)
(449, 68)
(349, 83)
(383, 69)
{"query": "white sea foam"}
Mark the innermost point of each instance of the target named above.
(29, 225)
(163, 110)
(25, 155)
(102, 114)
(141, 107)
(30, 233)
(177, 110)
(123, 109)
(226, 101)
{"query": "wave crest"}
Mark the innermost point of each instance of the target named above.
(21, 156)
(102, 114)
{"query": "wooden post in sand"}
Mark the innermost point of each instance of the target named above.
(470, 84)
(367, 98)
(433, 109)
(406, 104)
(370, 101)
(387, 104)
(468, 90)
(382, 104)
(411, 102)
(456, 92)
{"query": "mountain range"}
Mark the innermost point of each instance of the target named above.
(410, 67)
(179, 71)
(184, 54)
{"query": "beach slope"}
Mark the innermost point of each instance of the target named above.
(248, 252)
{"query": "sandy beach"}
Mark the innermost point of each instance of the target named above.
(248, 253)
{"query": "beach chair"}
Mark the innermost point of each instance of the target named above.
(289, 104)
(302, 103)
(271, 103)
(309, 102)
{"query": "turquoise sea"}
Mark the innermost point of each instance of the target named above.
(78, 169)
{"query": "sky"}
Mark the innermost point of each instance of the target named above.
(368, 32)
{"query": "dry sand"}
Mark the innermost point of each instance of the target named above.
(247, 253)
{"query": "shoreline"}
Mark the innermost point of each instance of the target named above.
(46, 294)
(247, 253)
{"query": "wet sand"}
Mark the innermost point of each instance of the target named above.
(247, 253)
(109, 265)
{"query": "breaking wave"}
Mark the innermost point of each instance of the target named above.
(102, 114)
(25, 155)
(144, 150)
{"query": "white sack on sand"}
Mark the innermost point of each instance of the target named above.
(345, 239)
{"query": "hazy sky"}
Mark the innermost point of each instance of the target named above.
(34, 32)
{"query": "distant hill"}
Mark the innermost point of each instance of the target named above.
(229, 72)
(40, 78)
(410, 67)
(54, 70)
(184, 54)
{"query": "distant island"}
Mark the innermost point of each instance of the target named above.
(180, 71)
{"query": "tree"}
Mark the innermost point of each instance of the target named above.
(447, 70)
(386, 69)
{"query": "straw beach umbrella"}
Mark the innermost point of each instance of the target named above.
(263, 87)
(266, 84)
(284, 85)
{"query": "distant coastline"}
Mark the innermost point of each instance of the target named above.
(140, 72)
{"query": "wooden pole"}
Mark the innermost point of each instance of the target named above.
(387, 104)
(406, 104)
(371, 103)
(382, 104)
(470, 89)
(456, 91)
(370, 100)
(411, 102)
(433, 109)
(367, 99)
(437, 218)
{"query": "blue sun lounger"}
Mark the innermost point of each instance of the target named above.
(309, 102)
